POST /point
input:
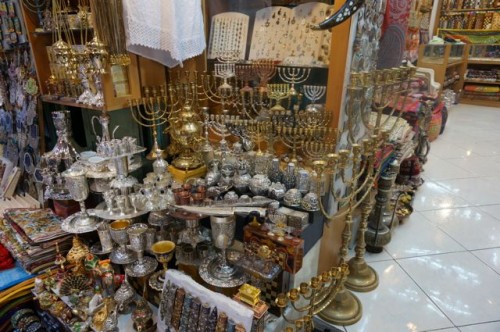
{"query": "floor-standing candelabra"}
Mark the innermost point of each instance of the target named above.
(151, 111)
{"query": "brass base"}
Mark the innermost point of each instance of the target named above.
(362, 277)
(187, 162)
(152, 155)
(345, 309)
(181, 175)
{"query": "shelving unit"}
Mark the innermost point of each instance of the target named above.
(486, 91)
(40, 40)
(447, 61)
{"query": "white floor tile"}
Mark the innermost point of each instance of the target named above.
(452, 329)
(469, 226)
(474, 166)
(492, 210)
(371, 257)
(462, 286)
(397, 305)
(490, 257)
(444, 149)
(486, 327)
(419, 237)
(431, 196)
(440, 169)
(477, 191)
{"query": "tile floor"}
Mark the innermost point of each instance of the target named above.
(441, 271)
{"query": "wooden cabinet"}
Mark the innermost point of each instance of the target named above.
(448, 62)
(115, 98)
(482, 76)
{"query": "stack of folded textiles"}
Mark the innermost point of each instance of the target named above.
(31, 237)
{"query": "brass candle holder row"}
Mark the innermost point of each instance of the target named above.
(355, 169)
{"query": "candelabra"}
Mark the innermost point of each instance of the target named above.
(313, 93)
(311, 298)
(265, 71)
(278, 92)
(152, 112)
(293, 76)
(221, 88)
(245, 73)
(355, 170)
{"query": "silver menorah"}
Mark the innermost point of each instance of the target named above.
(293, 76)
(313, 93)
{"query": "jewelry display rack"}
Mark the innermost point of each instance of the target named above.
(285, 35)
(228, 35)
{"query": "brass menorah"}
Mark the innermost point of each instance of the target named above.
(351, 175)
(220, 89)
(265, 69)
(278, 92)
(151, 111)
(293, 75)
(246, 74)
(311, 298)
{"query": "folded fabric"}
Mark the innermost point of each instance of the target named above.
(481, 88)
(165, 31)
(36, 226)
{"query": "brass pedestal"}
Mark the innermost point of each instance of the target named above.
(153, 154)
(345, 309)
(181, 175)
(362, 277)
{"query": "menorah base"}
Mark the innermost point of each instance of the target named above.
(181, 175)
(345, 309)
(362, 277)
(152, 155)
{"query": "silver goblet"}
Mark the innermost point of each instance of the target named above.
(133, 201)
(77, 185)
(109, 197)
(121, 202)
(105, 237)
(144, 265)
(118, 230)
(219, 272)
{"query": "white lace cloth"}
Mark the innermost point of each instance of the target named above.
(167, 31)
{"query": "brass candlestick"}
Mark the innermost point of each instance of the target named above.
(151, 111)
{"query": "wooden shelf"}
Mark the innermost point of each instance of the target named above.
(472, 30)
(481, 82)
(477, 61)
(466, 10)
(455, 63)
(480, 102)
(50, 33)
(49, 99)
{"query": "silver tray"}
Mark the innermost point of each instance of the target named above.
(238, 279)
(68, 225)
(101, 212)
(136, 271)
(96, 249)
(111, 174)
